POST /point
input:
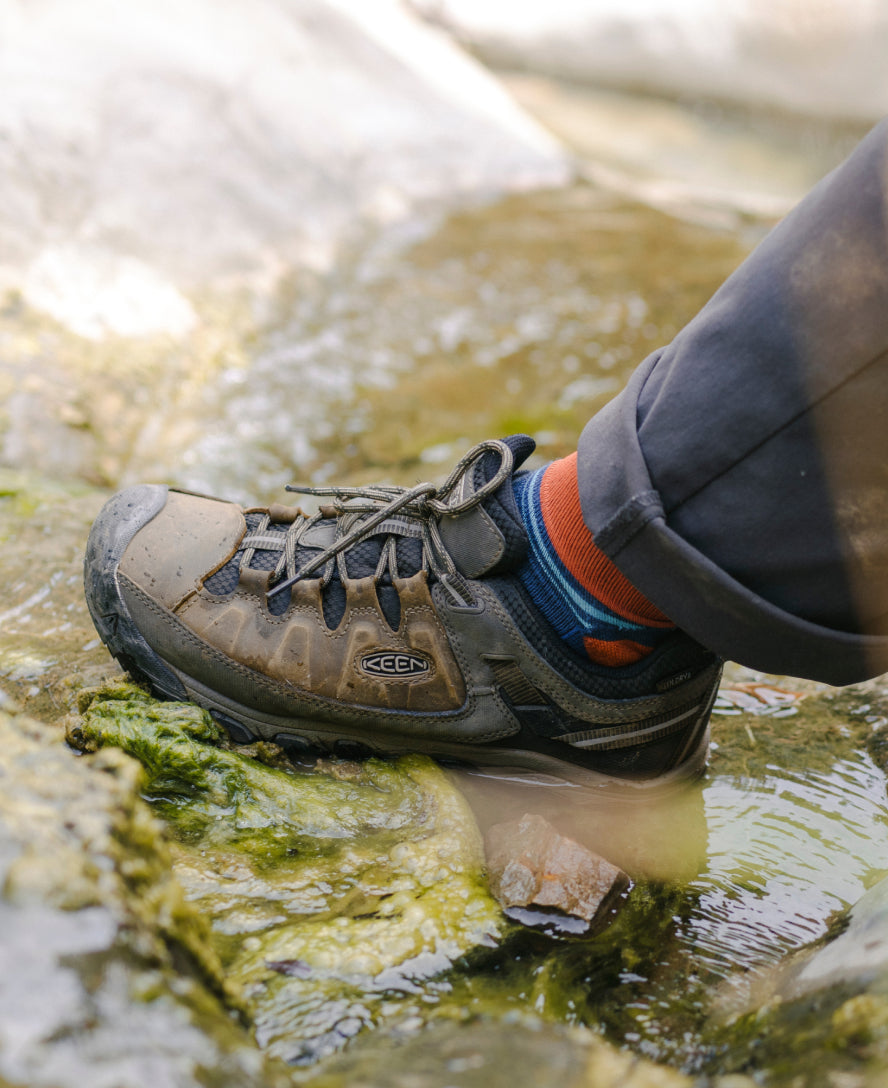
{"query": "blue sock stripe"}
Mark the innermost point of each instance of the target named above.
(650, 636)
(553, 583)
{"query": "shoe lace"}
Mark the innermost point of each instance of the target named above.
(379, 509)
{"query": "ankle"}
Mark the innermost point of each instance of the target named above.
(579, 590)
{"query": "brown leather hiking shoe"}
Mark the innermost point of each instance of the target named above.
(388, 622)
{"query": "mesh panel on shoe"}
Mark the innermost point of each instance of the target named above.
(333, 604)
(390, 603)
(361, 558)
(333, 599)
(361, 562)
(279, 604)
(409, 553)
(676, 653)
(225, 580)
(266, 559)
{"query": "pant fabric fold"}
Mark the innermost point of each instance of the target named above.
(740, 480)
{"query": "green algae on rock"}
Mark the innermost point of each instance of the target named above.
(108, 976)
(821, 1014)
(224, 798)
(335, 894)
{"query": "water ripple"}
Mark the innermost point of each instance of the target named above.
(786, 851)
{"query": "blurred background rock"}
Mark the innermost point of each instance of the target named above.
(204, 208)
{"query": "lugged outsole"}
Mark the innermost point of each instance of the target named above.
(302, 738)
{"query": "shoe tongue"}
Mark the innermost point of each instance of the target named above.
(490, 538)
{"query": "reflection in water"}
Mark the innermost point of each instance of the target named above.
(730, 874)
(766, 861)
(785, 852)
(660, 839)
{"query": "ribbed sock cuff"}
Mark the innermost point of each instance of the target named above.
(578, 589)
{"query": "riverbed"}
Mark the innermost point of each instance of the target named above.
(523, 314)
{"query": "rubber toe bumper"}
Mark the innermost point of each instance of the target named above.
(118, 522)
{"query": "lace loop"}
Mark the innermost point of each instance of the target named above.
(394, 511)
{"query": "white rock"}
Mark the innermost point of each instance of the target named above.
(148, 150)
(818, 57)
(97, 293)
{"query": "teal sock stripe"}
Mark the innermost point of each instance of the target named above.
(571, 609)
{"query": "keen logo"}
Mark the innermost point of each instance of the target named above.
(394, 665)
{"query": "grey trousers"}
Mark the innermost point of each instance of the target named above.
(740, 480)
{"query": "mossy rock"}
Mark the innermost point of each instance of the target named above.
(109, 976)
(335, 893)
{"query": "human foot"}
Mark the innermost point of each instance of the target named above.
(391, 621)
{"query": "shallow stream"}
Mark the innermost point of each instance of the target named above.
(523, 315)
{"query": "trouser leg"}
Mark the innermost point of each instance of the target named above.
(740, 481)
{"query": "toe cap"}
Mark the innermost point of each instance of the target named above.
(180, 543)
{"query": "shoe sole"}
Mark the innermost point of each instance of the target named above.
(302, 738)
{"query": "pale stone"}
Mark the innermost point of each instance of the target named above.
(530, 864)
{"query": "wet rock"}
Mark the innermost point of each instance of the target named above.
(858, 956)
(531, 864)
(106, 973)
(336, 900)
(822, 1013)
(48, 646)
(491, 1054)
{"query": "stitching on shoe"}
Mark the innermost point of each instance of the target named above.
(379, 715)
(337, 634)
(340, 632)
(462, 659)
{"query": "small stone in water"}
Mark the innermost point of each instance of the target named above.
(530, 863)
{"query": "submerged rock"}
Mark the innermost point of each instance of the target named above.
(531, 864)
(106, 973)
(858, 956)
(335, 895)
(807, 1003)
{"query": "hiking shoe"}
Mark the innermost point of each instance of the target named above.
(389, 621)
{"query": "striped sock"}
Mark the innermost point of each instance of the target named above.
(577, 588)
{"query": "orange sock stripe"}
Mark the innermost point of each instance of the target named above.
(615, 654)
(563, 518)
